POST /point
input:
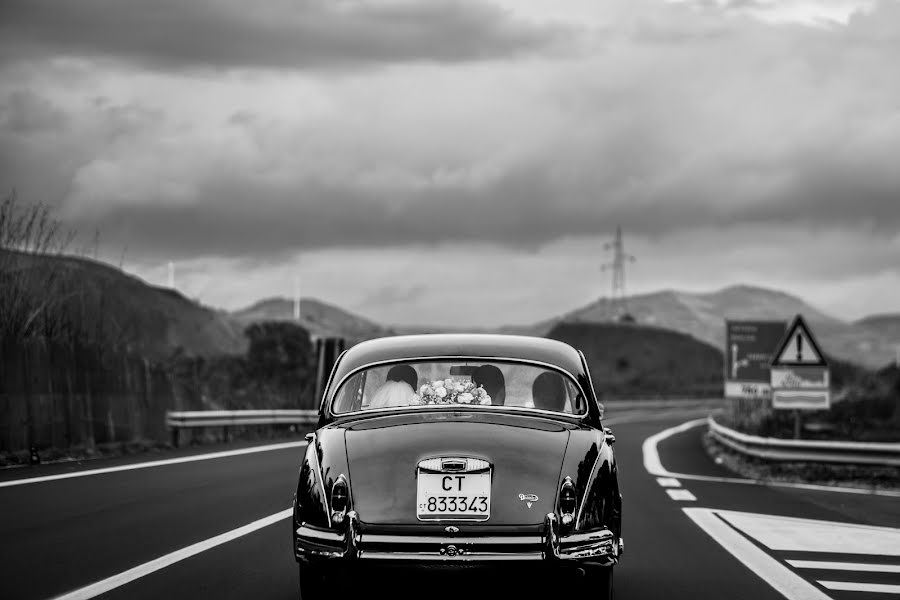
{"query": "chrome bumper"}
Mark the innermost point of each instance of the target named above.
(599, 547)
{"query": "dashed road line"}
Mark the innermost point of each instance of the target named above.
(681, 495)
(668, 482)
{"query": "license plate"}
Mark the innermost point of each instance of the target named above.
(453, 497)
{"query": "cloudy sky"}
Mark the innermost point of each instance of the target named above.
(462, 161)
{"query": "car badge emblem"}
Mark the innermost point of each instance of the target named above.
(451, 529)
(528, 499)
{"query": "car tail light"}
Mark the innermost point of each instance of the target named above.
(567, 502)
(340, 497)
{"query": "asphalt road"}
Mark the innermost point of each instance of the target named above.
(691, 530)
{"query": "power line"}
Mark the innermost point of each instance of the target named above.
(618, 296)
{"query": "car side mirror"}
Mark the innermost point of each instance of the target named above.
(309, 437)
(610, 438)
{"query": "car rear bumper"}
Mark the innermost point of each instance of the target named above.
(600, 547)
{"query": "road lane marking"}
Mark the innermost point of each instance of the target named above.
(790, 534)
(786, 582)
(111, 583)
(668, 482)
(651, 454)
(851, 586)
(654, 466)
(153, 463)
(681, 495)
(825, 565)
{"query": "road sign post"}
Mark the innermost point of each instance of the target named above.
(799, 372)
(748, 354)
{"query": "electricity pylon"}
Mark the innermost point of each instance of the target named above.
(618, 297)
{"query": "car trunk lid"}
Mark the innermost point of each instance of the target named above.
(525, 453)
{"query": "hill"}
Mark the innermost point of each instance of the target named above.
(703, 317)
(98, 297)
(637, 360)
(888, 325)
(317, 317)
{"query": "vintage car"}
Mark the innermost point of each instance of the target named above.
(453, 450)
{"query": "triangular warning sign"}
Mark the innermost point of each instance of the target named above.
(798, 347)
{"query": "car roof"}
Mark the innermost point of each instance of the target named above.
(481, 345)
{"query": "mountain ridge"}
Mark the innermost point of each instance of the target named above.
(164, 319)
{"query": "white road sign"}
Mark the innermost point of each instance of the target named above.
(800, 377)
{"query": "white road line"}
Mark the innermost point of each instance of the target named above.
(681, 495)
(111, 583)
(653, 465)
(825, 565)
(793, 534)
(851, 586)
(651, 453)
(786, 582)
(153, 463)
(668, 482)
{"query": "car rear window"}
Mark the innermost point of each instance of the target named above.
(484, 384)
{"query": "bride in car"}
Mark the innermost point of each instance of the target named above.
(399, 388)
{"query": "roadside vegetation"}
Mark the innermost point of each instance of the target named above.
(90, 359)
(865, 407)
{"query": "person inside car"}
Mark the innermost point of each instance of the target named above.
(549, 391)
(398, 389)
(490, 377)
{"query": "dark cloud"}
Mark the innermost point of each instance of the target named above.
(284, 34)
(797, 128)
(24, 112)
(525, 208)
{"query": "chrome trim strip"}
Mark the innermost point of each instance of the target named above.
(319, 553)
(368, 539)
(305, 532)
(587, 489)
(467, 557)
(597, 545)
(351, 536)
(521, 361)
(591, 537)
(551, 536)
(469, 465)
(593, 544)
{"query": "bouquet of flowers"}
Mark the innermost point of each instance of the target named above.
(448, 391)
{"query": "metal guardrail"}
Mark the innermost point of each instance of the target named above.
(196, 419)
(855, 453)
